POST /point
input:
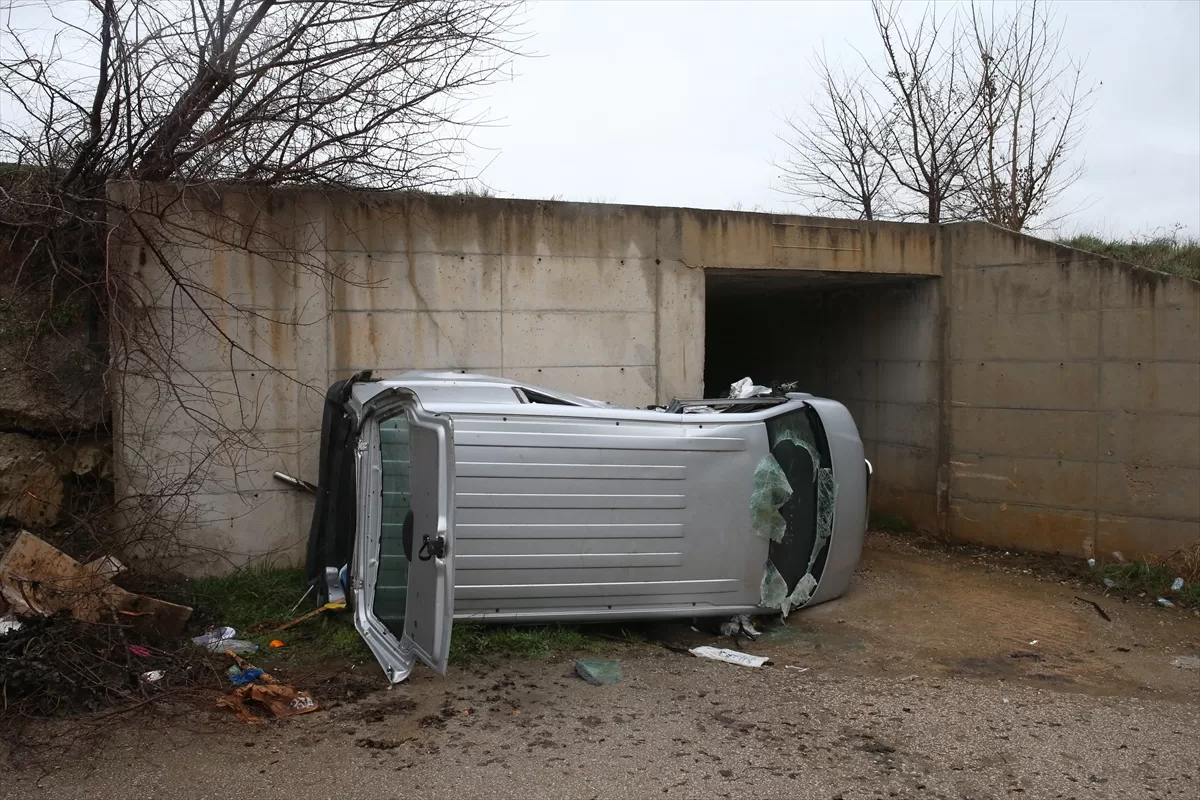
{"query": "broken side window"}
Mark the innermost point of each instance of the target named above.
(396, 525)
(803, 513)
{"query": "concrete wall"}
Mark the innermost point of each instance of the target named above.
(1073, 386)
(883, 363)
(1009, 391)
(605, 301)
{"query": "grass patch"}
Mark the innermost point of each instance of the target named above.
(1164, 253)
(252, 599)
(891, 524)
(1143, 577)
(262, 599)
(248, 597)
(472, 641)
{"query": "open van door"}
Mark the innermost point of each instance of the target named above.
(403, 575)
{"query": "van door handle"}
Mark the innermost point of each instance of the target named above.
(432, 548)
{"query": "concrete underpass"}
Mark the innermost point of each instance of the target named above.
(870, 341)
(1010, 391)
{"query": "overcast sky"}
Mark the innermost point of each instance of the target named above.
(679, 103)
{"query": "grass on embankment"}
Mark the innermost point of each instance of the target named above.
(1170, 254)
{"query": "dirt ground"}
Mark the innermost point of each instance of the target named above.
(941, 674)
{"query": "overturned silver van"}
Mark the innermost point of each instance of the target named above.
(467, 497)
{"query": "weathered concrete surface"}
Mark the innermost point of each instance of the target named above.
(1073, 401)
(1009, 391)
(605, 301)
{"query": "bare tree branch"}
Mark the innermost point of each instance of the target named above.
(1033, 104)
(966, 118)
(834, 160)
(121, 131)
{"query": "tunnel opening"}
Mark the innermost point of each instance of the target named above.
(869, 341)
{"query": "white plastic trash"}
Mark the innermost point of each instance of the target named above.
(214, 636)
(9, 623)
(746, 388)
(729, 656)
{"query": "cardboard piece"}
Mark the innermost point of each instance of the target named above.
(278, 699)
(37, 578)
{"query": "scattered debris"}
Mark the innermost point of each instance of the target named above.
(1109, 583)
(1096, 606)
(276, 643)
(740, 626)
(276, 699)
(107, 567)
(1177, 585)
(296, 483)
(747, 388)
(153, 676)
(729, 656)
(215, 636)
(1117, 555)
(599, 671)
(1186, 662)
(220, 640)
(1091, 561)
(798, 669)
(1033, 641)
(58, 664)
(39, 579)
(260, 688)
(140, 651)
(8, 623)
(337, 606)
(1164, 602)
(303, 597)
(241, 677)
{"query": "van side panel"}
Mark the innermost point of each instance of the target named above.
(578, 518)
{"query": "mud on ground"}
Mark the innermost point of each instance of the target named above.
(946, 674)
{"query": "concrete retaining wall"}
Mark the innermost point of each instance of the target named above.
(604, 301)
(1009, 391)
(1074, 399)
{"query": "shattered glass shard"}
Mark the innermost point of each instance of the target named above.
(772, 591)
(826, 505)
(802, 594)
(771, 490)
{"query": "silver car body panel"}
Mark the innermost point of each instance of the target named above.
(586, 511)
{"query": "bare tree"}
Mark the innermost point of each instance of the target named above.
(835, 159)
(934, 110)
(179, 95)
(969, 118)
(1032, 105)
